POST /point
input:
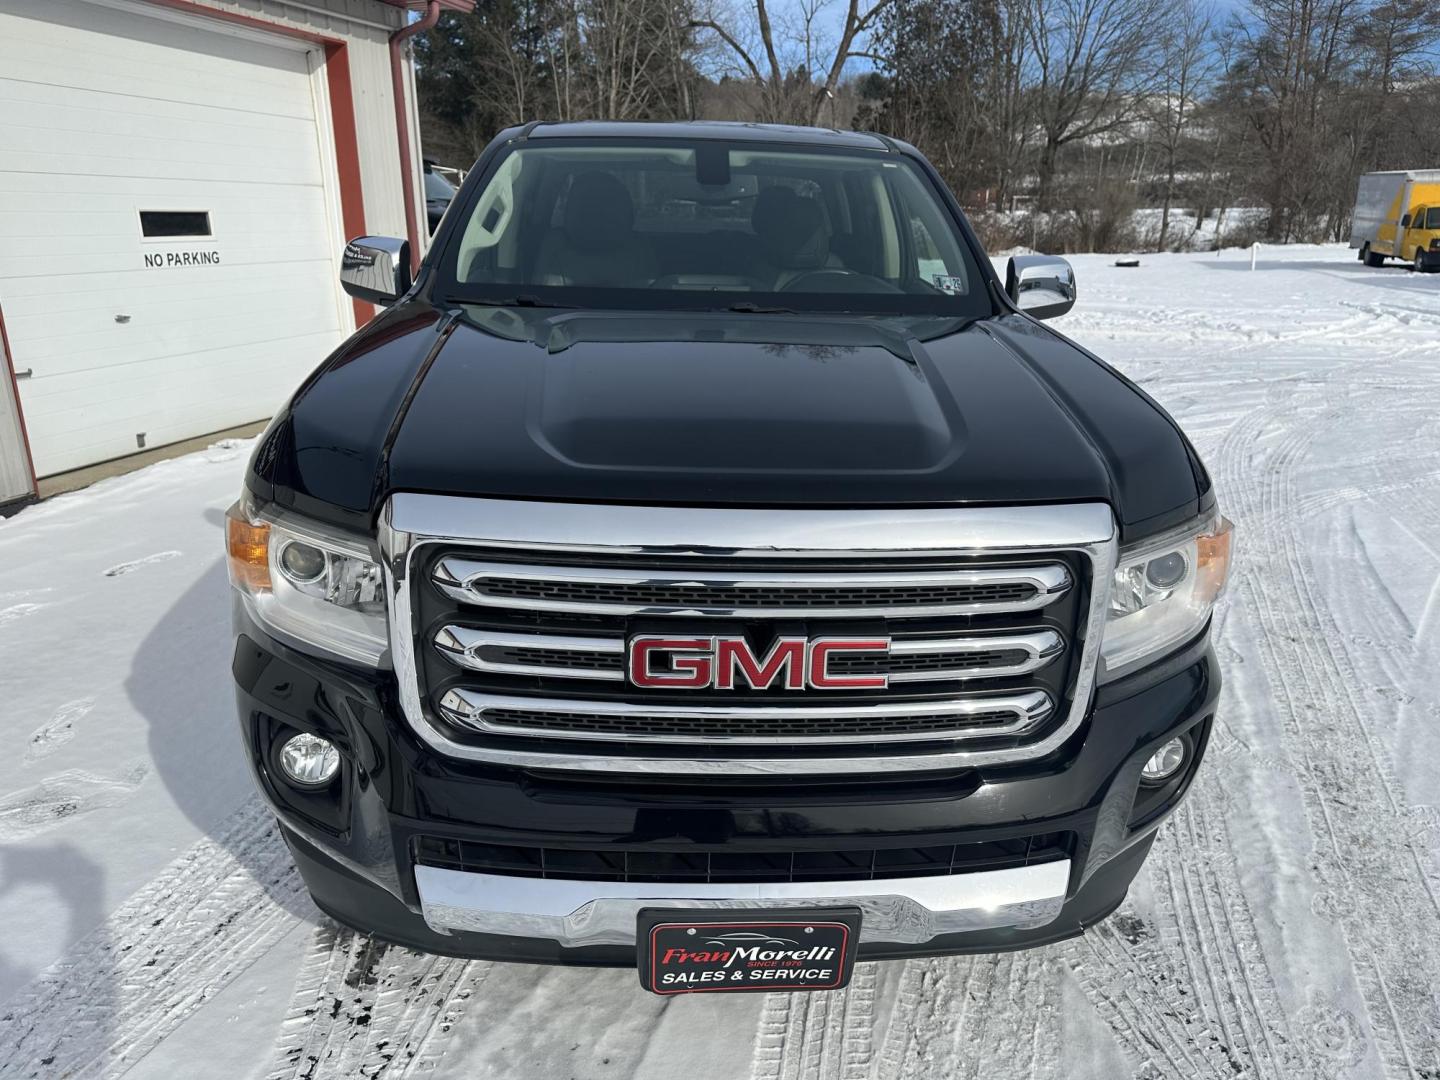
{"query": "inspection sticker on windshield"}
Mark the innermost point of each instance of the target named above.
(948, 283)
(701, 951)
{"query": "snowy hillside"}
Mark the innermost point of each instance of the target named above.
(1287, 925)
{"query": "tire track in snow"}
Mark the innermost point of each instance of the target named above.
(1199, 957)
(1208, 922)
(992, 1016)
(818, 1036)
(363, 1008)
(1346, 787)
(167, 950)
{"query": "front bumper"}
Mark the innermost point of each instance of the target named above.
(910, 911)
(356, 845)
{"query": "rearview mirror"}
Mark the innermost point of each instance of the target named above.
(1042, 286)
(376, 269)
(1405, 222)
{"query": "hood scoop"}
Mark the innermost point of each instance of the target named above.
(797, 397)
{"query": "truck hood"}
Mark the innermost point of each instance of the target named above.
(730, 409)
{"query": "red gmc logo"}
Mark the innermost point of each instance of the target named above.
(721, 663)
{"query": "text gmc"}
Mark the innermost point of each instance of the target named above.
(707, 563)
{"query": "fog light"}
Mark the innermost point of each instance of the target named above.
(308, 760)
(1164, 763)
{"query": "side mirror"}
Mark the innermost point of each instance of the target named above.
(376, 268)
(1042, 286)
(1405, 222)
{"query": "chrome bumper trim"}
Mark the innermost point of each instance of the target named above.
(908, 911)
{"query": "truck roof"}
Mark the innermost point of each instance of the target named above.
(731, 131)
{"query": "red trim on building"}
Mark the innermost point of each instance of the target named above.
(402, 122)
(342, 115)
(347, 154)
(19, 410)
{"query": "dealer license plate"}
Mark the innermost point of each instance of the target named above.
(694, 952)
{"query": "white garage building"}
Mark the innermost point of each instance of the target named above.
(177, 179)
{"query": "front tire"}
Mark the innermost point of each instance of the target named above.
(1419, 265)
(1371, 259)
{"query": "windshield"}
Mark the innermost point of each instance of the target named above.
(646, 223)
(1432, 218)
(437, 187)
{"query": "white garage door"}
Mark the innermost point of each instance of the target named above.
(167, 263)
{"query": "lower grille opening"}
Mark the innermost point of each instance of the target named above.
(860, 864)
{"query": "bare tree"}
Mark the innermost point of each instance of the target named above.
(794, 79)
(1010, 102)
(1187, 63)
(1095, 61)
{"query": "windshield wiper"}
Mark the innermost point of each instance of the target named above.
(523, 300)
(746, 307)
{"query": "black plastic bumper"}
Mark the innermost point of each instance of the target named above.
(354, 843)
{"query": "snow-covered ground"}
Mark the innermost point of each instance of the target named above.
(1287, 925)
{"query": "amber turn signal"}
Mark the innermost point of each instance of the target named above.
(1213, 555)
(247, 547)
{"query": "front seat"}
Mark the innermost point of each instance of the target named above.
(792, 234)
(596, 243)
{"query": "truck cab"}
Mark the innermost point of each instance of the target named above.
(1419, 236)
(707, 551)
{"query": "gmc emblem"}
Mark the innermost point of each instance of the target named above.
(722, 663)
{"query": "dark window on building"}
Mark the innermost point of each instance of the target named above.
(162, 223)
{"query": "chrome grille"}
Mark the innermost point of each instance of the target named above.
(815, 724)
(910, 659)
(617, 591)
(510, 634)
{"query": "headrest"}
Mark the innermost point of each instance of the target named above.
(599, 213)
(791, 228)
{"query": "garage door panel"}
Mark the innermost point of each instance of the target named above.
(118, 230)
(60, 296)
(81, 109)
(143, 340)
(236, 389)
(86, 46)
(234, 241)
(105, 113)
(188, 163)
(50, 148)
(297, 212)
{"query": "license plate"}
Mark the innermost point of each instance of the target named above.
(698, 952)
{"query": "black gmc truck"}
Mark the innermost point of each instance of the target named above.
(707, 563)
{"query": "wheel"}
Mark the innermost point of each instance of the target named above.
(1419, 261)
(1371, 259)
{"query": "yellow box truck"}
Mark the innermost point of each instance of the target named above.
(1397, 216)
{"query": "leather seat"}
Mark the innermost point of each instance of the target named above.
(792, 234)
(596, 243)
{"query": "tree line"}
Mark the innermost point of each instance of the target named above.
(1053, 120)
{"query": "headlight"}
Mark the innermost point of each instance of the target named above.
(311, 585)
(1164, 591)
